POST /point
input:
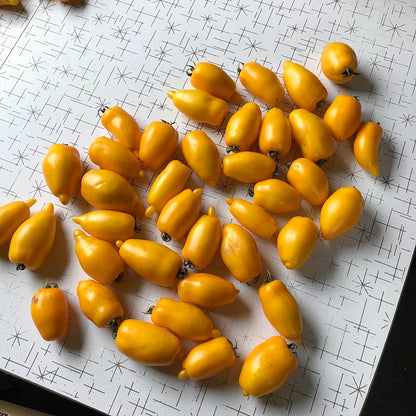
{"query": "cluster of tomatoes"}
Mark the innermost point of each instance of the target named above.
(108, 232)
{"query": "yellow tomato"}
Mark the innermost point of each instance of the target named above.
(62, 170)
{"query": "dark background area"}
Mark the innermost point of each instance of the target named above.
(392, 392)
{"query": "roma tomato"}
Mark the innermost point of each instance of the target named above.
(341, 212)
(267, 367)
(158, 142)
(152, 261)
(240, 253)
(281, 309)
(296, 241)
(243, 128)
(98, 258)
(275, 137)
(167, 184)
(184, 319)
(200, 106)
(12, 215)
(303, 86)
(62, 171)
(309, 179)
(339, 62)
(343, 117)
(262, 82)
(206, 290)
(208, 359)
(202, 156)
(104, 189)
(311, 135)
(123, 127)
(366, 144)
(203, 240)
(99, 303)
(147, 343)
(49, 310)
(33, 240)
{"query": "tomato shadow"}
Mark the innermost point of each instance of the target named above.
(75, 339)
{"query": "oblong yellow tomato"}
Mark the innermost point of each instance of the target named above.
(104, 189)
(303, 86)
(203, 240)
(296, 241)
(200, 106)
(253, 217)
(214, 80)
(267, 367)
(339, 62)
(202, 156)
(123, 127)
(62, 170)
(107, 225)
(243, 128)
(281, 309)
(183, 319)
(206, 290)
(112, 155)
(208, 359)
(309, 179)
(98, 258)
(341, 212)
(158, 142)
(49, 310)
(152, 261)
(12, 215)
(99, 303)
(276, 196)
(33, 240)
(240, 253)
(366, 144)
(179, 214)
(275, 136)
(311, 135)
(248, 167)
(262, 82)
(167, 184)
(147, 343)
(343, 117)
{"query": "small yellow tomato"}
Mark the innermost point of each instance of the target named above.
(366, 144)
(33, 240)
(203, 240)
(184, 319)
(49, 310)
(147, 343)
(311, 135)
(152, 261)
(207, 359)
(200, 106)
(276, 196)
(309, 179)
(62, 171)
(202, 156)
(240, 253)
(12, 215)
(267, 367)
(343, 117)
(303, 86)
(339, 62)
(341, 212)
(253, 217)
(262, 82)
(296, 241)
(158, 142)
(206, 290)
